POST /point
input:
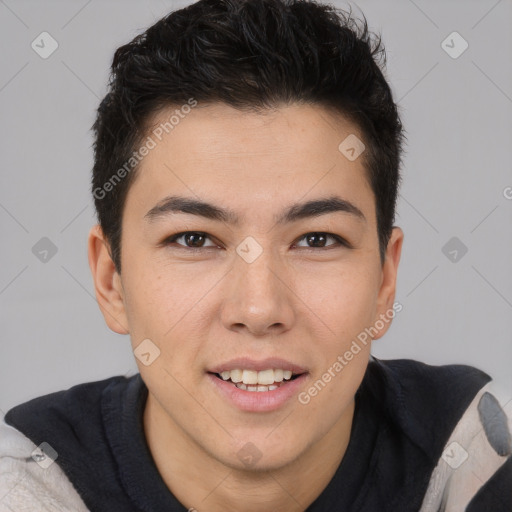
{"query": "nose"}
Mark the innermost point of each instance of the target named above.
(259, 297)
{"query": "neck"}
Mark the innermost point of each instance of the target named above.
(203, 483)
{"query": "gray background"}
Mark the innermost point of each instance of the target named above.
(457, 167)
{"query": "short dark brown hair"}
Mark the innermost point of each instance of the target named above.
(252, 55)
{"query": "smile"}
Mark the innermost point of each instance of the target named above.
(258, 386)
(259, 381)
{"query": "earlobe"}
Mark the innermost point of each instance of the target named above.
(107, 282)
(387, 290)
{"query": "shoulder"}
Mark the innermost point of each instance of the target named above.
(44, 439)
(427, 378)
(475, 469)
(29, 480)
(67, 404)
(425, 388)
(462, 420)
(424, 401)
(73, 416)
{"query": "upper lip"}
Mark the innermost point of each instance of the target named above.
(246, 363)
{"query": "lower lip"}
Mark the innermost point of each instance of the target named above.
(258, 401)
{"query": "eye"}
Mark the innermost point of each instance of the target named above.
(194, 238)
(318, 239)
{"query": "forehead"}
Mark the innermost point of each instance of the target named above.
(219, 130)
(218, 152)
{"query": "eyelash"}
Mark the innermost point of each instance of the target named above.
(340, 241)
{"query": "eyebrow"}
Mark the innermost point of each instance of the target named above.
(297, 211)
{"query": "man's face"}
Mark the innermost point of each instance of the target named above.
(257, 294)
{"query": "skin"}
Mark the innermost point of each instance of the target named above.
(303, 302)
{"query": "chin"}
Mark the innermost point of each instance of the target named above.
(259, 453)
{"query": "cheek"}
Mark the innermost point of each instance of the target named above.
(347, 307)
(167, 305)
(345, 299)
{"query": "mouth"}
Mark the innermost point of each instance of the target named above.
(257, 381)
(252, 385)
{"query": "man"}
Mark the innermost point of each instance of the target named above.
(246, 169)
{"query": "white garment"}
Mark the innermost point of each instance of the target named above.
(469, 460)
(29, 486)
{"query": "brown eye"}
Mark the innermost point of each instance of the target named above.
(194, 239)
(319, 239)
(191, 239)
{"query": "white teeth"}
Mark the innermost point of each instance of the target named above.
(250, 377)
(254, 378)
(236, 375)
(266, 377)
(258, 388)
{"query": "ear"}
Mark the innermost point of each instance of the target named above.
(107, 282)
(386, 295)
